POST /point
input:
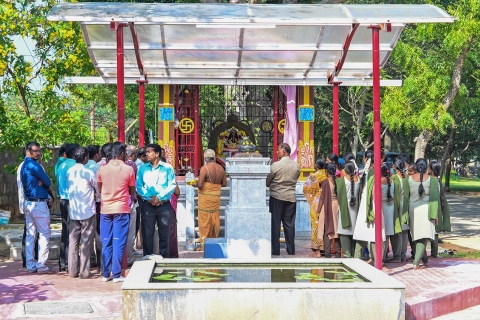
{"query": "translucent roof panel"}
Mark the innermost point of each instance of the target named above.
(289, 44)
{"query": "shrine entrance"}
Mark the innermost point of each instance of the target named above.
(226, 114)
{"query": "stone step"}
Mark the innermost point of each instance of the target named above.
(226, 198)
(222, 208)
(222, 229)
(11, 237)
(221, 189)
(222, 218)
(16, 253)
(197, 240)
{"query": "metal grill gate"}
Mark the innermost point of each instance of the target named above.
(261, 108)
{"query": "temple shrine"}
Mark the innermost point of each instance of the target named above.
(279, 51)
(186, 128)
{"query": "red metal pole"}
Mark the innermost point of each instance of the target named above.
(377, 146)
(141, 112)
(335, 117)
(275, 123)
(196, 140)
(120, 103)
(120, 85)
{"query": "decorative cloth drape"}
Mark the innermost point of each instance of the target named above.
(290, 135)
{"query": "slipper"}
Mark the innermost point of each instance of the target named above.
(452, 252)
(449, 252)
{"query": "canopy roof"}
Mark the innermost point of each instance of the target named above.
(242, 43)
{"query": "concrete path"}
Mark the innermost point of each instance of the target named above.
(465, 219)
(437, 286)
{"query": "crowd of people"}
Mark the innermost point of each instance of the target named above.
(342, 210)
(109, 198)
(115, 198)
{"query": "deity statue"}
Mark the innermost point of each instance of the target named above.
(233, 138)
(229, 140)
(227, 135)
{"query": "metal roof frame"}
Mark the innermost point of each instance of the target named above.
(243, 43)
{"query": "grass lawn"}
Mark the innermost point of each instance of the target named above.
(464, 184)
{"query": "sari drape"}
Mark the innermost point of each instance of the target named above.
(209, 211)
(312, 191)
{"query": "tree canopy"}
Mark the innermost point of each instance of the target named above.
(438, 63)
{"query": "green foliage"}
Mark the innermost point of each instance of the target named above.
(427, 55)
(39, 113)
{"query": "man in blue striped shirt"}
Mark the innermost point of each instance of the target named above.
(36, 186)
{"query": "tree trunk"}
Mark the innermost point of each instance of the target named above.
(421, 143)
(448, 169)
(356, 137)
(400, 146)
(387, 142)
(447, 153)
(455, 82)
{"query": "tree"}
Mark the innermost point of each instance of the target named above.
(41, 111)
(433, 58)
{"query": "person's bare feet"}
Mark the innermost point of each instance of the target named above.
(315, 254)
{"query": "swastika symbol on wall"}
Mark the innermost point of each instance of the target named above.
(281, 126)
(186, 125)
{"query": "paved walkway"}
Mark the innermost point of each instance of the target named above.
(447, 285)
(465, 218)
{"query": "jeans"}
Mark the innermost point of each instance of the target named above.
(37, 218)
(114, 231)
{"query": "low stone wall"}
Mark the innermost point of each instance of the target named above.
(254, 295)
(9, 161)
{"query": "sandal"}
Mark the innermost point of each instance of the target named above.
(416, 267)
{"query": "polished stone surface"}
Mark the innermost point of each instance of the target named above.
(247, 219)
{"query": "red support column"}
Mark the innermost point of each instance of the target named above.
(335, 116)
(141, 112)
(197, 141)
(377, 147)
(118, 27)
(275, 123)
(120, 84)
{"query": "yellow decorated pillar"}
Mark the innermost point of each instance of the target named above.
(166, 122)
(306, 118)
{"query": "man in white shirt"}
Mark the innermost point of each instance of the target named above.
(94, 156)
(82, 185)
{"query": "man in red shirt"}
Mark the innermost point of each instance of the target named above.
(116, 182)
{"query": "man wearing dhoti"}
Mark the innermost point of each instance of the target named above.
(212, 178)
